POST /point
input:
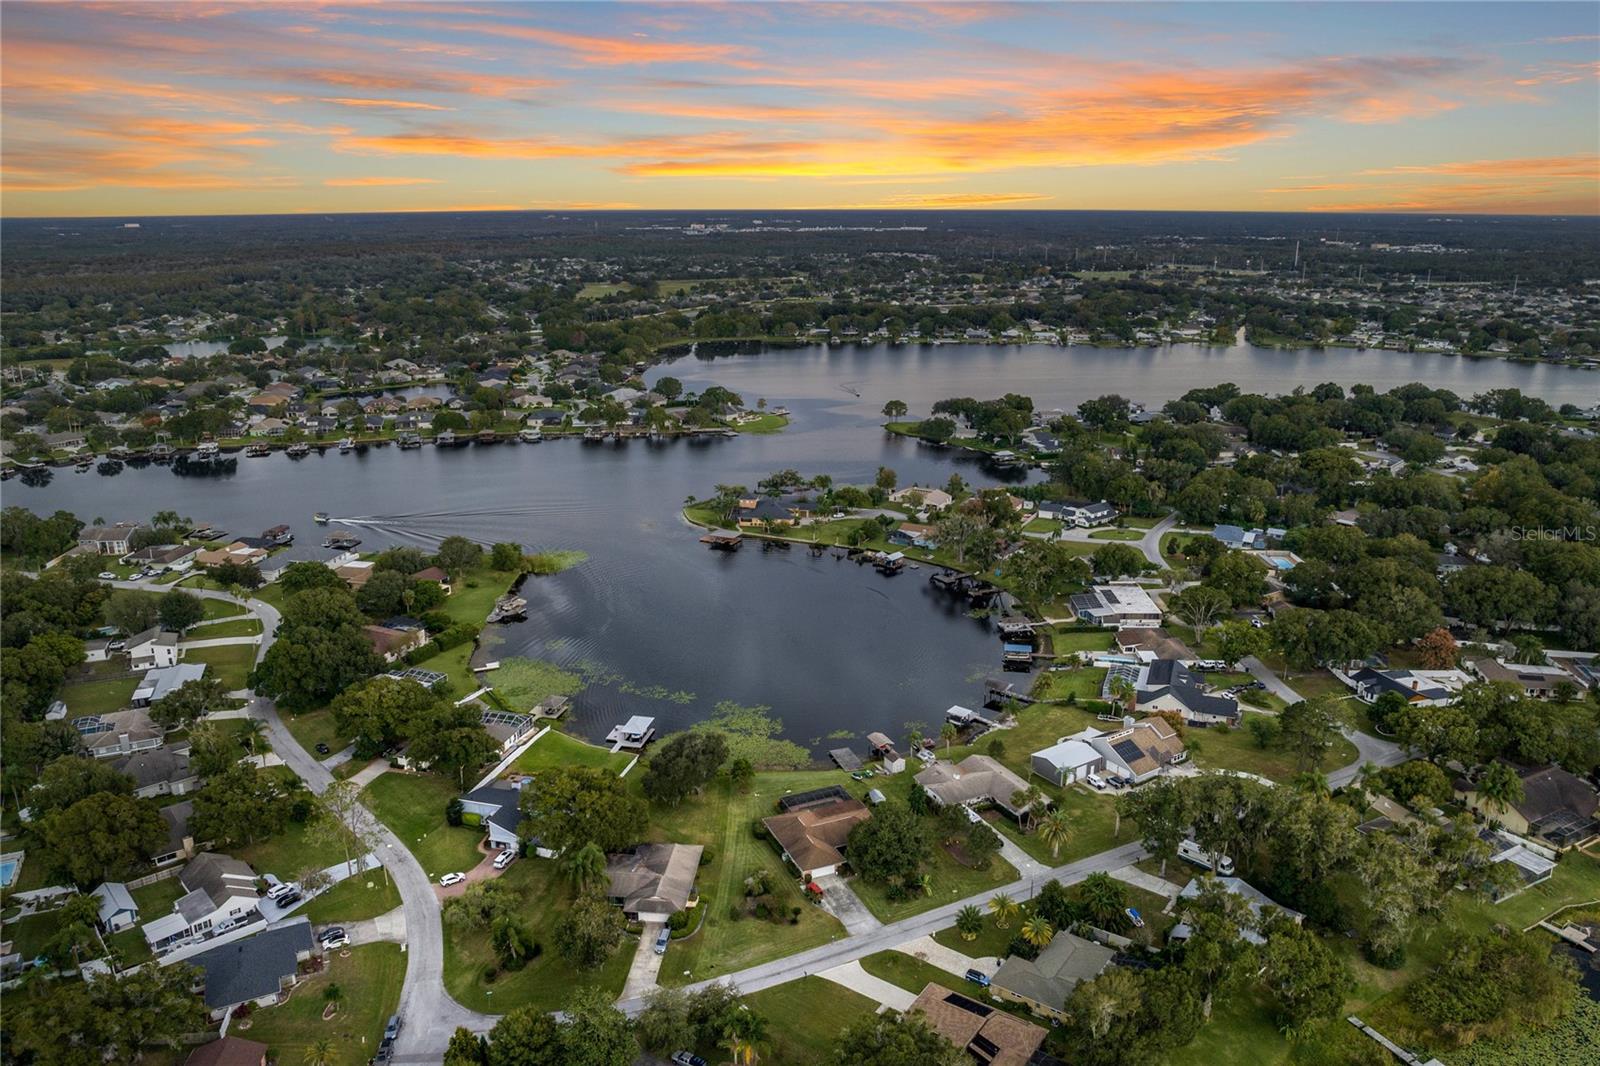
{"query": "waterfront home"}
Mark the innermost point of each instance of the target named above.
(259, 970)
(219, 894)
(813, 838)
(1081, 514)
(435, 575)
(1137, 751)
(355, 573)
(916, 497)
(237, 552)
(162, 771)
(108, 540)
(652, 882)
(764, 510)
(392, 644)
(174, 555)
(1067, 761)
(163, 681)
(1536, 681)
(1118, 604)
(507, 727)
(1043, 984)
(1169, 685)
(229, 1051)
(1147, 644)
(1556, 806)
(117, 733)
(1261, 907)
(272, 568)
(496, 807)
(987, 1034)
(118, 911)
(155, 647)
(1423, 688)
(913, 535)
(974, 781)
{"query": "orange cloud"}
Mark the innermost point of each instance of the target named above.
(387, 105)
(1585, 166)
(612, 51)
(964, 199)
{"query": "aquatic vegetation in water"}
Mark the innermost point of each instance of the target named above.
(753, 734)
(521, 683)
(546, 563)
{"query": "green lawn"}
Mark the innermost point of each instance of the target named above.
(1116, 534)
(97, 697)
(1093, 818)
(546, 982)
(370, 980)
(221, 608)
(455, 663)
(764, 424)
(315, 727)
(157, 898)
(272, 595)
(912, 974)
(721, 820)
(1084, 684)
(991, 941)
(804, 1018)
(232, 627)
(1223, 748)
(231, 664)
(413, 806)
(951, 881)
(558, 749)
(593, 290)
(366, 895)
(1041, 525)
(475, 594)
(291, 851)
(1064, 640)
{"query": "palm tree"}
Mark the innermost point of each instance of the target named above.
(745, 1029)
(1500, 786)
(948, 733)
(75, 927)
(586, 866)
(923, 883)
(969, 922)
(255, 730)
(1122, 690)
(1102, 896)
(1004, 909)
(321, 1053)
(1311, 783)
(1025, 801)
(1055, 829)
(1037, 930)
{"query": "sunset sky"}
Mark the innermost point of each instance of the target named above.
(202, 108)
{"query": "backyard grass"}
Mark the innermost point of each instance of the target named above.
(370, 980)
(1064, 640)
(547, 981)
(455, 663)
(366, 895)
(765, 423)
(1084, 684)
(230, 627)
(1222, 748)
(1042, 525)
(558, 749)
(97, 697)
(804, 1018)
(950, 881)
(231, 664)
(157, 898)
(295, 849)
(474, 595)
(722, 821)
(413, 806)
(1093, 818)
(1116, 534)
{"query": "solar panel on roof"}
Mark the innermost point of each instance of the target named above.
(971, 1006)
(984, 1046)
(1127, 750)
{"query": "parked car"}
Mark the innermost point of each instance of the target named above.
(392, 1030)
(687, 1058)
(1095, 780)
(452, 879)
(289, 898)
(978, 977)
(1189, 851)
(107, 575)
(117, 645)
(276, 889)
(505, 858)
(323, 749)
(385, 1051)
(333, 938)
(663, 938)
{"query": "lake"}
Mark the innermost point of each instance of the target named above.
(663, 627)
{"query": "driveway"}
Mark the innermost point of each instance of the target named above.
(387, 928)
(1274, 684)
(1136, 877)
(948, 959)
(484, 871)
(646, 963)
(853, 977)
(839, 901)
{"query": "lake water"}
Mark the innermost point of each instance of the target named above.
(663, 627)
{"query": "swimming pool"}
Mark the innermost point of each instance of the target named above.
(8, 870)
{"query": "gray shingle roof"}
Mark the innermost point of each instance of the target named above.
(254, 967)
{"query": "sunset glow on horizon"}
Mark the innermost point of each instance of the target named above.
(219, 108)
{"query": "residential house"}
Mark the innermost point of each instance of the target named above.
(435, 575)
(1261, 907)
(1068, 761)
(1556, 806)
(916, 497)
(116, 733)
(161, 682)
(1120, 604)
(259, 970)
(497, 807)
(652, 882)
(180, 845)
(1150, 644)
(393, 644)
(174, 555)
(1169, 685)
(991, 1036)
(237, 552)
(154, 647)
(813, 838)
(507, 728)
(975, 780)
(914, 535)
(272, 567)
(1424, 688)
(219, 894)
(229, 1051)
(1536, 681)
(1044, 983)
(1078, 513)
(356, 573)
(118, 911)
(1238, 538)
(108, 540)
(1139, 750)
(162, 771)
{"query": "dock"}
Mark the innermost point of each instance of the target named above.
(723, 540)
(632, 735)
(552, 707)
(845, 758)
(999, 693)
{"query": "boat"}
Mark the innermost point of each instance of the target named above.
(488, 436)
(594, 435)
(445, 439)
(161, 452)
(410, 440)
(531, 435)
(321, 518)
(256, 451)
(341, 542)
(299, 451)
(347, 445)
(205, 452)
(507, 608)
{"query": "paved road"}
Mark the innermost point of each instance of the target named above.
(893, 935)
(1274, 684)
(1149, 544)
(1369, 749)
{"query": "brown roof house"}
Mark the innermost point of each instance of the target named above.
(1043, 984)
(1557, 806)
(229, 1051)
(975, 780)
(652, 882)
(988, 1034)
(813, 839)
(392, 644)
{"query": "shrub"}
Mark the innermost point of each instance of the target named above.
(489, 974)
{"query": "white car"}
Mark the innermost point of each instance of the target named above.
(107, 575)
(452, 879)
